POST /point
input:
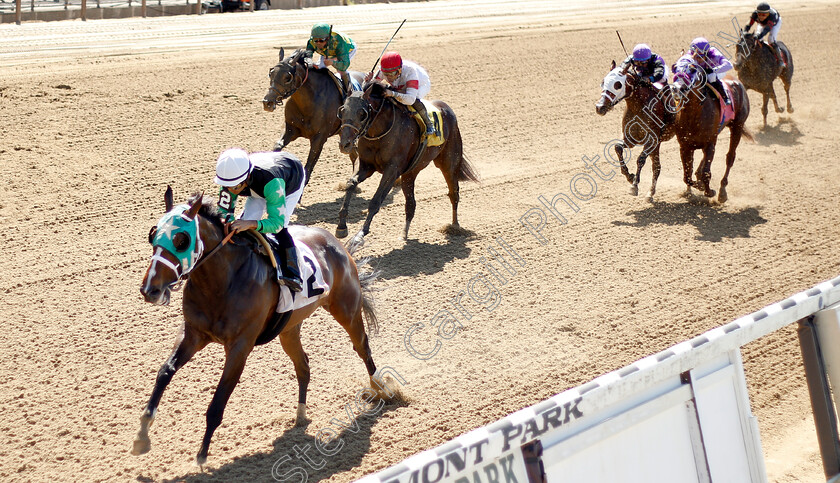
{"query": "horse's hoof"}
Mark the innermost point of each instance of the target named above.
(201, 461)
(359, 239)
(649, 197)
(340, 232)
(141, 446)
(722, 197)
(780, 110)
(634, 190)
(278, 146)
(710, 193)
(790, 109)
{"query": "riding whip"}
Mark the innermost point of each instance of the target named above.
(386, 47)
(622, 43)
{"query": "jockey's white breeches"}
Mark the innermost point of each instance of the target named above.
(771, 37)
(255, 206)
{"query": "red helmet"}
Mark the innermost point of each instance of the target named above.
(391, 61)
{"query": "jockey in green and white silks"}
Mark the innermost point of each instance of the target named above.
(273, 183)
(336, 50)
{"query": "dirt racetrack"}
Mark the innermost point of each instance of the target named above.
(93, 132)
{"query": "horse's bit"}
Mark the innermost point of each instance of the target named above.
(286, 95)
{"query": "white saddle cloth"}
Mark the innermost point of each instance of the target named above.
(314, 286)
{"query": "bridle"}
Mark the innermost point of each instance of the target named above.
(285, 95)
(181, 273)
(367, 122)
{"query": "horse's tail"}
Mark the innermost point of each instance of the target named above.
(465, 170)
(746, 133)
(367, 277)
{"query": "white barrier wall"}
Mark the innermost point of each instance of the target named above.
(681, 415)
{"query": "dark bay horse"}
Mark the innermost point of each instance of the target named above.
(231, 300)
(698, 124)
(644, 123)
(313, 102)
(388, 138)
(757, 69)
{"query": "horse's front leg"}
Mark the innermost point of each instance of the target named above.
(290, 134)
(619, 151)
(704, 171)
(687, 158)
(364, 172)
(235, 357)
(764, 109)
(656, 167)
(186, 347)
(734, 139)
(316, 145)
(389, 176)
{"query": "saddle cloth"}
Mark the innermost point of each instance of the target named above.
(354, 84)
(727, 113)
(313, 287)
(437, 119)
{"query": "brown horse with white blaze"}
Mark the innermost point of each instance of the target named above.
(387, 139)
(230, 297)
(645, 122)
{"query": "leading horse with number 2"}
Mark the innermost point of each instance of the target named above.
(231, 299)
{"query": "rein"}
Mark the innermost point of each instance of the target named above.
(184, 276)
(362, 132)
(281, 96)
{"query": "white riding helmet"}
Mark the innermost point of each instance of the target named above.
(233, 167)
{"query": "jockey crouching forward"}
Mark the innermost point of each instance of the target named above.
(273, 183)
(712, 62)
(648, 66)
(409, 84)
(336, 50)
(769, 22)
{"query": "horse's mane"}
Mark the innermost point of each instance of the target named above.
(209, 210)
(375, 88)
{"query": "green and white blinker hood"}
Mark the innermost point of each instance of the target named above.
(171, 224)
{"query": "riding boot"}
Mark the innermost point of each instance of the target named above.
(718, 84)
(345, 80)
(778, 51)
(421, 109)
(290, 276)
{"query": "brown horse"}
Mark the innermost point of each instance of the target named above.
(757, 69)
(314, 100)
(231, 299)
(388, 139)
(644, 123)
(697, 125)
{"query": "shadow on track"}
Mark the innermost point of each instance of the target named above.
(713, 223)
(286, 462)
(784, 133)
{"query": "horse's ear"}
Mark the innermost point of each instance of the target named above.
(167, 198)
(281, 54)
(194, 207)
(612, 66)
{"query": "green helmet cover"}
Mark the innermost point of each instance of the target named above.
(320, 30)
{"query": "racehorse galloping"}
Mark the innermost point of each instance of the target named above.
(231, 296)
(644, 121)
(312, 110)
(757, 68)
(697, 125)
(388, 138)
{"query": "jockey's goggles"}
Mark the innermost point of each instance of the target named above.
(319, 40)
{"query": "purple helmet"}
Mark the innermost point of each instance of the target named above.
(700, 46)
(641, 53)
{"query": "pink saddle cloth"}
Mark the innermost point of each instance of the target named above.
(727, 113)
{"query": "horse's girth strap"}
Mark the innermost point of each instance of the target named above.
(260, 238)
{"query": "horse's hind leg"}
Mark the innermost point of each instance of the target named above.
(448, 164)
(189, 344)
(734, 140)
(235, 357)
(764, 109)
(775, 101)
(410, 202)
(786, 82)
(293, 348)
